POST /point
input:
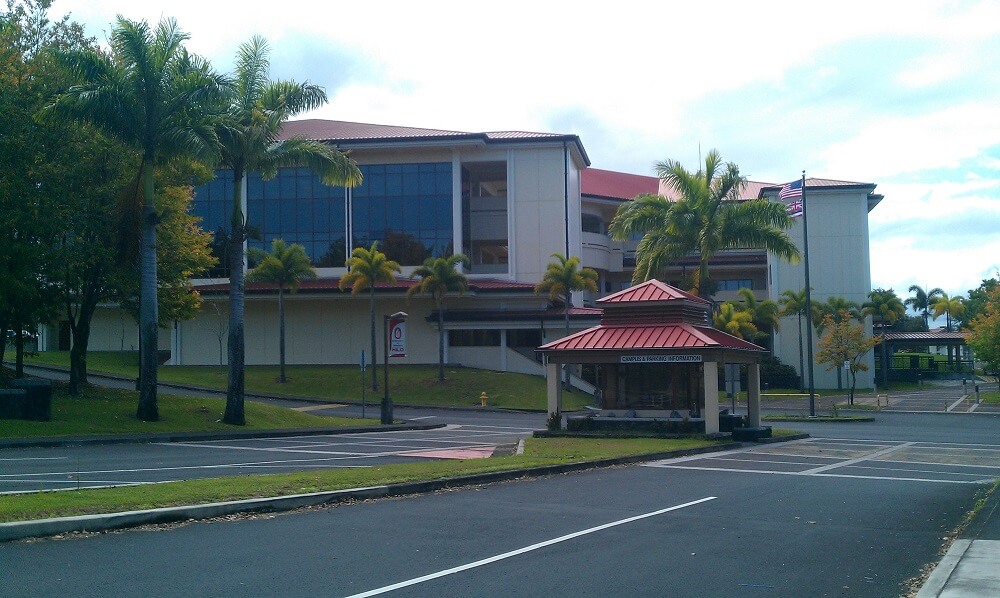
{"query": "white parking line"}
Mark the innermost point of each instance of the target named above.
(520, 551)
(867, 457)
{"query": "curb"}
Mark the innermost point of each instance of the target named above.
(51, 441)
(18, 530)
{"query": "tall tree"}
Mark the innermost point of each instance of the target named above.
(793, 303)
(707, 218)
(366, 268)
(885, 307)
(764, 313)
(984, 336)
(952, 308)
(438, 277)
(157, 98)
(257, 107)
(978, 298)
(286, 266)
(921, 301)
(845, 342)
(838, 308)
(563, 276)
(737, 322)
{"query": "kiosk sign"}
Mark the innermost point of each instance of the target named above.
(661, 359)
(397, 337)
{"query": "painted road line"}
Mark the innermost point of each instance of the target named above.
(956, 403)
(35, 459)
(526, 549)
(823, 475)
(867, 457)
(319, 407)
(413, 419)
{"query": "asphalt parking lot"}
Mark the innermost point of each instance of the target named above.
(70, 467)
(948, 463)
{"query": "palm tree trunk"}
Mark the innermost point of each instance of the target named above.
(235, 414)
(148, 306)
(440, 342)
(566, 383)
(281, 334)
(371, 309)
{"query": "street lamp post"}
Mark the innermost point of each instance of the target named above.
(386, 400)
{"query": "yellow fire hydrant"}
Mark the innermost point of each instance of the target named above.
(482, 400)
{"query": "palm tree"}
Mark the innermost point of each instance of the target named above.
(366, 268)
(256, 109)
(735, 321)
(438, 277)
(949, 307)
(921, 301)
(765, 314)
(285, 266)
(158, 99)
(563, 276)
(838, 307)
(707, 218)
(794, 304)
(885, 307)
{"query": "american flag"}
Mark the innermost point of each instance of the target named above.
(793, 189)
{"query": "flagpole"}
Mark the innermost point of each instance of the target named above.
(809, 328)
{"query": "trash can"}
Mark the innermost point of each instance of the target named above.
(12, 403)
(730, 421)
(38, 400)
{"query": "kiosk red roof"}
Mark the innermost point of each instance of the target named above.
(649, 337)
(651, 290)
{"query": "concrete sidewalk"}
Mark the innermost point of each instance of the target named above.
(971, 568)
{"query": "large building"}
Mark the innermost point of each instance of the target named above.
(508, 200)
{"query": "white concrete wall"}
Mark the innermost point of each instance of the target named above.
(317, 330)
(537, 190)
(114, 330)
(839, 265)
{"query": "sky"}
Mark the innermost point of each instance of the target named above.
(905, 95)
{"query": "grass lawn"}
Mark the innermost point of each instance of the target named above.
(990, 397)
(409, 385)
(538, 452)
(110, 411)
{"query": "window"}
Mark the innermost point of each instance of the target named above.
(524, 338)
(407, 209)
(592, 224)
(474, 338)
(735, 284)
(484, 216)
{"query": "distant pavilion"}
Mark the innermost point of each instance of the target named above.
(656, 357)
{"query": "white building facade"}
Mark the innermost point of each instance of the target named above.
(507, 200)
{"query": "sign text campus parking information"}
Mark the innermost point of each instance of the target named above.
(661, 359)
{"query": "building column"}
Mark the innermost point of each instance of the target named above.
(753, 395)
(503, 350)
(711, 411)
(553, 387)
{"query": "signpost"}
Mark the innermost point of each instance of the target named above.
(362, 383)
(394, 335)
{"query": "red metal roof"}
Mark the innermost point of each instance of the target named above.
(649, 337)
(616, 185)
(651, 290)
(346, 133)
(929, 337)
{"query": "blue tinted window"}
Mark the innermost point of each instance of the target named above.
(407, 209)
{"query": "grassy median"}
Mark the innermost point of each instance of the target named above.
(99, 410)
(538, 452)
(410, 384)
